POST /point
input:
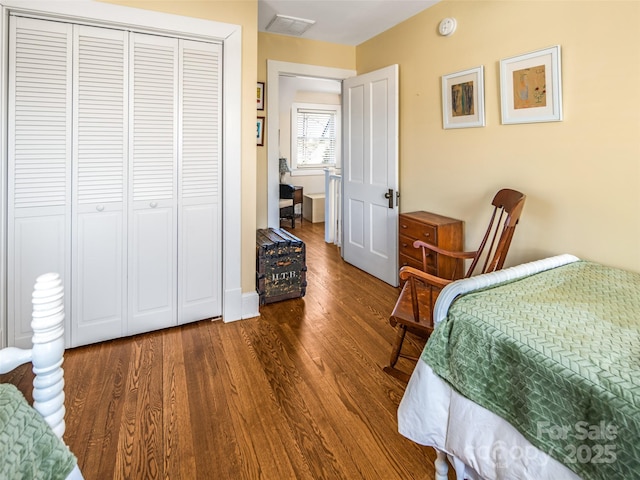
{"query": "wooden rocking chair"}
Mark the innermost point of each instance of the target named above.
(413, 310)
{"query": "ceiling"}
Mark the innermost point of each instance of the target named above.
(347, 22)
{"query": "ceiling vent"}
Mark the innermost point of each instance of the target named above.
(289, 25)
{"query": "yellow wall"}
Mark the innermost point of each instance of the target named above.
(244, 13)
(581, 175)
(295, 50)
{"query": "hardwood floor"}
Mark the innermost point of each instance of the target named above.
(298, 393)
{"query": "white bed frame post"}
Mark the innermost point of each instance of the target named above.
(47, 352)
(442, 467)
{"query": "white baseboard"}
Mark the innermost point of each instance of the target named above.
(250, 305)
(240, 306)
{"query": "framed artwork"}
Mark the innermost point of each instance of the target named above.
(260, 131)
(531, 87)
(260, 95)
(463, 99)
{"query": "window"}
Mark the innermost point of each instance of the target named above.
(315, 135)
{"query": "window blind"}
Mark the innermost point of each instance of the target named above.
(316, 137)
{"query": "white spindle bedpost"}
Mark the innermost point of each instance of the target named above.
(48, 350)
(442, 467)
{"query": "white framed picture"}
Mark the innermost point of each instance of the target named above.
(463, 99)
(260, 96)
(531, 87)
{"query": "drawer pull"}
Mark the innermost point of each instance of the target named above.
(403, 226)
(426, 234)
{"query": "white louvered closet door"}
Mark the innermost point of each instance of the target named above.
(153, 87)
(114, 178)
(39, 164)
(99, 184)
(199, 187)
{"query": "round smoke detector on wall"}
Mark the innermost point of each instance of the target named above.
(447, 26)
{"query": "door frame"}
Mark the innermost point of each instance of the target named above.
(230, 35)
(274, 70)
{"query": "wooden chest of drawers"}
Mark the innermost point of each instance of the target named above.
(443, 232)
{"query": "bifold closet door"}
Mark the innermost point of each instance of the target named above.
(114, 177)
(199, 186)
(39, 164)
(153, 150)
(99, 184)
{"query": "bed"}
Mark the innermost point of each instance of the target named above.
(532, 372)
(31, 444)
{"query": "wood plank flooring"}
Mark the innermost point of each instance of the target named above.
(298, 393)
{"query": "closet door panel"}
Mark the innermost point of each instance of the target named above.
(199, 264)
(199, 241)
(39, 164)
(99, 276)
(99, 183)
(39, 246)
(153, 266)
(153, 87)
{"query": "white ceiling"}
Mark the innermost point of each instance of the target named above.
(348, 22)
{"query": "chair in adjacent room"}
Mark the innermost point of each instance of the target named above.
(287, 208)
(290, 196)
(413, 309)
(287, 212)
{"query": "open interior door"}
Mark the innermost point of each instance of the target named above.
(370, 173)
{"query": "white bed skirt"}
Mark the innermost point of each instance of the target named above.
(75, 474)
(479, 443)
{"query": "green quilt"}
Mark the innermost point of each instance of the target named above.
(556, 354)
(28, 447)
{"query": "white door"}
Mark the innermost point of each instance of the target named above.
(153, 183)
(370, 173)
(199, 182)
(99, 184)
(39, 165)
(114, 178)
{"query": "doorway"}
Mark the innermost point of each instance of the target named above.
(370, 109)
(276, 72)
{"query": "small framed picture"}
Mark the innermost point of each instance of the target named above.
(260, 95)
(463, 99)
(260, 132)
(531, 87)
